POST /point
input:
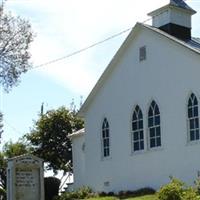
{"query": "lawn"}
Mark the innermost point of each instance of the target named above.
(146, 197)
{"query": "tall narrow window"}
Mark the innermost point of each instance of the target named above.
(105, 139)
(154, 125)
(193, 118)
(137, 130)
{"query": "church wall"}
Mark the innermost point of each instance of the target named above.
(168, 75)
(78, 154)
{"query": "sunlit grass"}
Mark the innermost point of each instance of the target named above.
(146, 197)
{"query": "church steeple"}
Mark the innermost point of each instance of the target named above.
(174, 18)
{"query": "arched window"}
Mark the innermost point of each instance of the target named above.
(154, 125)
(105, 139)
(137, 130)
(193, 118)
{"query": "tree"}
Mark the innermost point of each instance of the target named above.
(2, 171)
(15, 38)
(49, 137)
(1, 124)
(10, 150)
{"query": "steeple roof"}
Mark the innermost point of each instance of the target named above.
(174, 3)
(181, 4)
(174, 18)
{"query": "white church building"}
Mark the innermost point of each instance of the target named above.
(142, 116)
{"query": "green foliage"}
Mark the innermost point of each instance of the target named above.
(86, 193)
(51, 185)
(136, 193)
(82, 193)
(1, 124)
(197, 185)
(190, 193)
(171, 191)
(103, 198)
(3, 165)
(15, 38)
(177, 190)
(49, 137)
(10, 150)
(2, 194)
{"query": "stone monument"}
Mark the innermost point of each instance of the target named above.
(25, 178)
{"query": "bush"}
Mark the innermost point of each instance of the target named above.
(177, 190)
(51, 186)
(144, 191)
(197, 185)
(171, 191)
(136, 193)
(190, 194)
(82, 193)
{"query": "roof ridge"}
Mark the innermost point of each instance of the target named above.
(187, 44)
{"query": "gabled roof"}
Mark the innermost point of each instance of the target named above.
(25, 156)
(193, 45)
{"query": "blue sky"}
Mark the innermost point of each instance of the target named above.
(62, 27)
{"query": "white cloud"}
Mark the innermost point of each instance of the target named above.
(64, 26)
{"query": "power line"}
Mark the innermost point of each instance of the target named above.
(82, 50)
(12, 127)
(86, 48)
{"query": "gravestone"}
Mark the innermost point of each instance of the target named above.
(25, 178)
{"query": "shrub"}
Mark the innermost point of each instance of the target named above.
(137, 193)
(144, 191)
(171, 191)
(82, 193)
(102, 194)
(110, 194)
(177, 190)
(190, 194)
(197, 185)
(51, 185)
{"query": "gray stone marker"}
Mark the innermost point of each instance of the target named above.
(25, 178)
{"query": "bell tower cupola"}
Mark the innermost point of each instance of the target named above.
(174, 18)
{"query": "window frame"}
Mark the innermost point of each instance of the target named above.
(138, 130)
(105, 139)
(155, 127)
(194, 118)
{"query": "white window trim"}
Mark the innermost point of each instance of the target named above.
(148, 130)
(102, 139)
(192, 142)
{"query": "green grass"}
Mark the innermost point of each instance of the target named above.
(146, 197)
